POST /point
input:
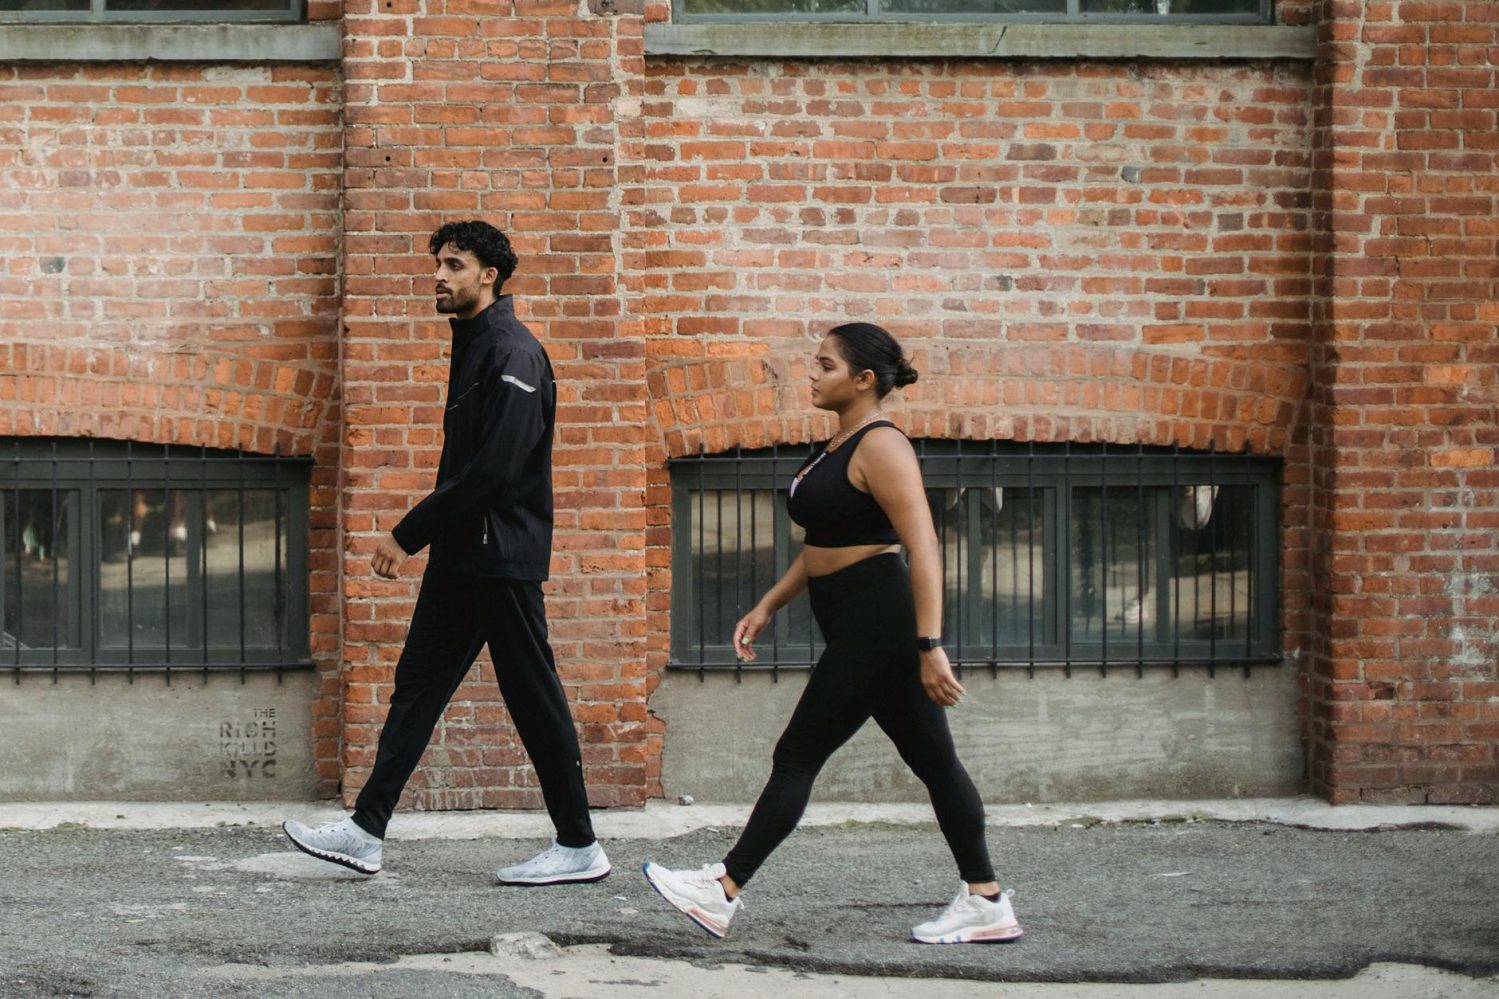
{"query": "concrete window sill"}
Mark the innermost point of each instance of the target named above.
(303, 43)
(982, 41)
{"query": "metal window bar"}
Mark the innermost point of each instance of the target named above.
(702, 657)
(738, 562)
(1081, 481)
(1103, 572)
(1142, 512)
(1176, 590)
(1250, 571)
(130, 565)
(166, 562)
(75, 480)
(239, 468)
(1066, 589)
(278, 617)
(56, 533)
(1030, 557)
(1213, 524)
(202, 559)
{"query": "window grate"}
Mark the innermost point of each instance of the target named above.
(1054, 557)
(124, 557)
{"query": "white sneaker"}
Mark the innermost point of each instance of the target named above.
(699, 894)
(558, 865)
(341, 842)
(971, 919)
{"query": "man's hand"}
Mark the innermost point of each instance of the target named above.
(388, 558)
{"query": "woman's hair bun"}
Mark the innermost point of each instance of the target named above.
(904, 373)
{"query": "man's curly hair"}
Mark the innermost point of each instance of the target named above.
(482, 240)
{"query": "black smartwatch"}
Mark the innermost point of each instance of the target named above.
(927, 643)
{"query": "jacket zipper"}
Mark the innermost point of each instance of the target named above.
(486, 531)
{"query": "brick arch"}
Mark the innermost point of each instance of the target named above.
(1044, 393)
(163, 397)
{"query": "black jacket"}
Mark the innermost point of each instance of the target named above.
(490, 513)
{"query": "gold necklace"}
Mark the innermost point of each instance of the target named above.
(833, 445)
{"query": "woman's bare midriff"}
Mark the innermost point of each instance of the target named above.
(824, 561)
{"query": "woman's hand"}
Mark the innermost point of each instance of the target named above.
(745, 631)
(937, 677)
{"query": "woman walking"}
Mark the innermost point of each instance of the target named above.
(860, 498)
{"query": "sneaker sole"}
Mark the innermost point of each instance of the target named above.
(704, 922)
(585, 878)
(341, 859)
(1002, 934)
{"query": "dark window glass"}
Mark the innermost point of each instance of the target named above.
(39, 586)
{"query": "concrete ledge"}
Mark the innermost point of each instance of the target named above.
(171, 42)
(982, 41)
(659, 820)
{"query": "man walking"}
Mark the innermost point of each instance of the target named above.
(489, 525)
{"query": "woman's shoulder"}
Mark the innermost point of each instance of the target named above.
(885, 440)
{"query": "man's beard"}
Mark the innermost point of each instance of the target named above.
(458, 300)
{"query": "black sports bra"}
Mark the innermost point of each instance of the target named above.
(834, 513)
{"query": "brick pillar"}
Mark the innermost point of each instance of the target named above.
(1403, 695)
(505, 112)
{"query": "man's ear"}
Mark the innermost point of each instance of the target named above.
(491, 275)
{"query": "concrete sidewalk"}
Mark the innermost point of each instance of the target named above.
(659, 820)
(1244, 899)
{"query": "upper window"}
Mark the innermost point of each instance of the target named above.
(1246, 11)
(1053, 556)
(152, 10)
(146, 557)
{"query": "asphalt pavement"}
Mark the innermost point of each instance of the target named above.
(125, 900)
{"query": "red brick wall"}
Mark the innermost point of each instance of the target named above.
(1404, 694)
(170, 238)
(1294, 260)
(507, 115)
(1073, 251)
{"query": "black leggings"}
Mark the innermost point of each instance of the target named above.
(455, 616)
(869, 669)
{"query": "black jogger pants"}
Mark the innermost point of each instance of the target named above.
(455, 617)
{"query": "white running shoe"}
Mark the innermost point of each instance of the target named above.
(559, 865)
(341, 842)
(971, 919)
(699, 894)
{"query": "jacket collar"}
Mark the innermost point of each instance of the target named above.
(501, 309)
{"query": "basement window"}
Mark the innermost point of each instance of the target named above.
(138, 557)
(1054, 557)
